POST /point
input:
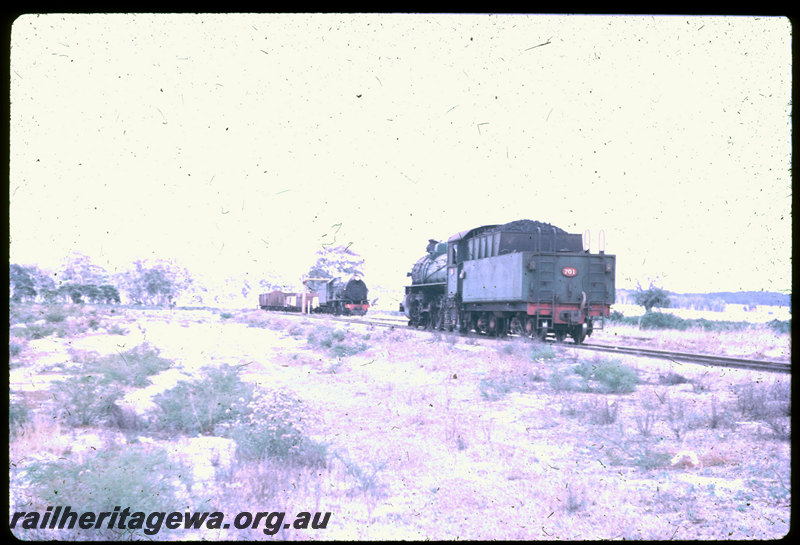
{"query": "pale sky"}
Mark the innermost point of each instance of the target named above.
(239, 144)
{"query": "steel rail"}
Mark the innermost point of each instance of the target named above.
(679, 357)
(688, 357)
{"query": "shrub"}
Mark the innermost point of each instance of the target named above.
(566, 381)
(542, 351)
(199, 406)
(14, 349)
(335, 342)
(677, 419)
(325, 337)
(133, 366)
(672, 378)
(616, 316)
(637, 452)
(613, 376)
(115, 329)
(21, 313)
(494, 388)
(719, 416)
(718, 325)
(602, 412)
(577, 497)
(644, 422)
(274, 428)
(596, 411)
(38, 331)
(367, 482)
(18, 415)
(757, 400)
(140, 478)
(648, 458)
(780, 326)
(658, 320)
(768, 403)
(55, 315)
(85, 401)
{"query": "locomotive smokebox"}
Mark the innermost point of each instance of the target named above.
(355, 290)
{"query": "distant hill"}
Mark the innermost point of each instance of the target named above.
(718, 298)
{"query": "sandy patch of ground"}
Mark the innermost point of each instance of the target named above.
(453, 439)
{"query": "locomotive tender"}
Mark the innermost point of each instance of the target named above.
(525, 278)
(329, 296)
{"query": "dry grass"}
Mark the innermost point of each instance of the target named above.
(433, 437)
(759, 342)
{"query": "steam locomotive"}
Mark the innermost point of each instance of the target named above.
(324, 295)
(524, 278)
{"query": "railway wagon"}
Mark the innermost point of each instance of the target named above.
(279, 300)
(525, 278)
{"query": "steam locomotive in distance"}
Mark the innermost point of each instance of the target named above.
(324, 295)
(526, 278)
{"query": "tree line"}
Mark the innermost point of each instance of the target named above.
(156, 282)
(81, 281)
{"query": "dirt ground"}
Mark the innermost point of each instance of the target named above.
(437, 437)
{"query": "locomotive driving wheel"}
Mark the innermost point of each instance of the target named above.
(578, 334)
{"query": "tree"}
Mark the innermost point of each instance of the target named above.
(154, 282)
(78, 269)
(20, 283)
(45, 284)
(336, 261)
(651, 297)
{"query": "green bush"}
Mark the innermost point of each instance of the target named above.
(335, 342)
(494, 388)
(38, 331)
(85, 400)
(115, 329)
(22, 314)
(133, 366)
(14, 349)
(648, 458)
(613, 376)
(366, 482)
(55, 315)
(199, 406)
(780, 326)
(719, 325)
(659, 320)
(140, 478)
(18, 415)
(274, 428)
(564, 380)
(542, 351)
(616, 317)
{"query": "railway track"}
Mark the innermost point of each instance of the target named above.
(681, 357)
(685, 357)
